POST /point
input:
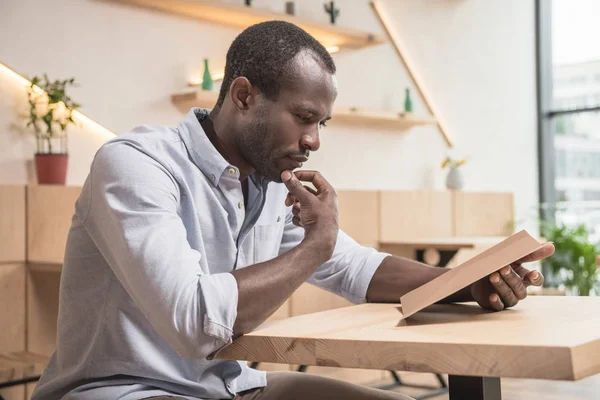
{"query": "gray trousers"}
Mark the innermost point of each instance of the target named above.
(302, 386)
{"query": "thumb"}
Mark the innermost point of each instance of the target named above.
(294, 186)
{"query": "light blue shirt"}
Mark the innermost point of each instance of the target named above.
(147, 297)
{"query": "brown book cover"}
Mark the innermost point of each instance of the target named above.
(491, 260)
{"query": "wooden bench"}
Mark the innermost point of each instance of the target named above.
(20, 368)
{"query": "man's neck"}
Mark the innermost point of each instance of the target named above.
(225, 147)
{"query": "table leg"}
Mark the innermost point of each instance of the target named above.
(474, 388)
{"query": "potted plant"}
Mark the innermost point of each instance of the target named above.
(50, 113)
(454, 180)
(574, 261)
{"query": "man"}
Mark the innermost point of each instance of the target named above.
(186, 238)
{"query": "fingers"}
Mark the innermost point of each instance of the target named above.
(295, 187)
(496, 303)
(546, 251)
(515, 282)
(507, 296)
(290, 199)
(315, 178)
(534, 278)
(529, 277)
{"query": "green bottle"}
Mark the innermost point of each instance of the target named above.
(408, 102)
(207, 81)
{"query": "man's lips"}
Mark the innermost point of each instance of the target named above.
(298, 160)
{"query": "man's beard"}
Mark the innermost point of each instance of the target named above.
(258, 146)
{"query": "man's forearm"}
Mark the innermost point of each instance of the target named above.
(397, 276)
(264, 287)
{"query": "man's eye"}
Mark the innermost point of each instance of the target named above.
(303, 117)
(323, 123)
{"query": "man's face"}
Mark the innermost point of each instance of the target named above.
(282, 133)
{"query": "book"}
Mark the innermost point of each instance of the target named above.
(485, 263)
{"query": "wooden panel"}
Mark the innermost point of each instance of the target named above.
(49, 212)
(12, 229)
(409, 215)
(12, 317)
(359, 215)
(535, 339)
(483, 214)
(20, 365)
(239, 16)
(42, 311)
(308, 299)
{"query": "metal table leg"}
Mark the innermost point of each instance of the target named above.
(474, 388)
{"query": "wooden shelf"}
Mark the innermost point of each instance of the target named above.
(374, 118)
(45, 267)
(241, 16)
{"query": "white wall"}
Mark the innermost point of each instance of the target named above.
(476, 58)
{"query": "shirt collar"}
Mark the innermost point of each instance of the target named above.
(202, 152)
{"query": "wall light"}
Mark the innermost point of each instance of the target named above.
(333, 49)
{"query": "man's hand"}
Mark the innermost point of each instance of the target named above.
(506, 287)
(315, 211)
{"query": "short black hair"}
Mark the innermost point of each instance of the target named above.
(262, 53)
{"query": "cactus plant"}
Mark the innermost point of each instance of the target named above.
(332, 11)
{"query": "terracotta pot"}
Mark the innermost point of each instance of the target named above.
(51, 169)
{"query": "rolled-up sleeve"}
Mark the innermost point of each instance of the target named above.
(349, 270)
(132, 216)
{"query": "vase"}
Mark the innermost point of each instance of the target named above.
(454, 180)
(51, 169)
(207, 81)
(408, 107)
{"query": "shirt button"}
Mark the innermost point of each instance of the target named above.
(212, 178)
(241, 204)
(231, 171)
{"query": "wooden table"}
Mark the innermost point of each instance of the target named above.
(554, 338)
(437, 252)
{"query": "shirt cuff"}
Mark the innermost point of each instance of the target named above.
(361, 280)
(220, 295)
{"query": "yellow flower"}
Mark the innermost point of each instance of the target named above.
(462, 162)
(445, 163)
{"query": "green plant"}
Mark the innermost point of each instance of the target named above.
(50, 112)
(574, 261)
(332, 11)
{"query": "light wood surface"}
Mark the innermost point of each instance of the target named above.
(19, 365)
(12, 319)
(493, 259)
(42, 311)
(240, 16)
(379, 118)
(359, 215)
(308, 299)
(396, 41)
(483, 214)
(49, 212)
(406, 215)
(12, 228)
(542, 337)
(374, 118)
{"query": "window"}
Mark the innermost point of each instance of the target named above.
(569, 108)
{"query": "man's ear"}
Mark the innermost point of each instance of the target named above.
(242, 93)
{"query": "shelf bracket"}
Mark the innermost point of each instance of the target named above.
(396, 42)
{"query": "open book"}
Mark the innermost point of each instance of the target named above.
(491, 260)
